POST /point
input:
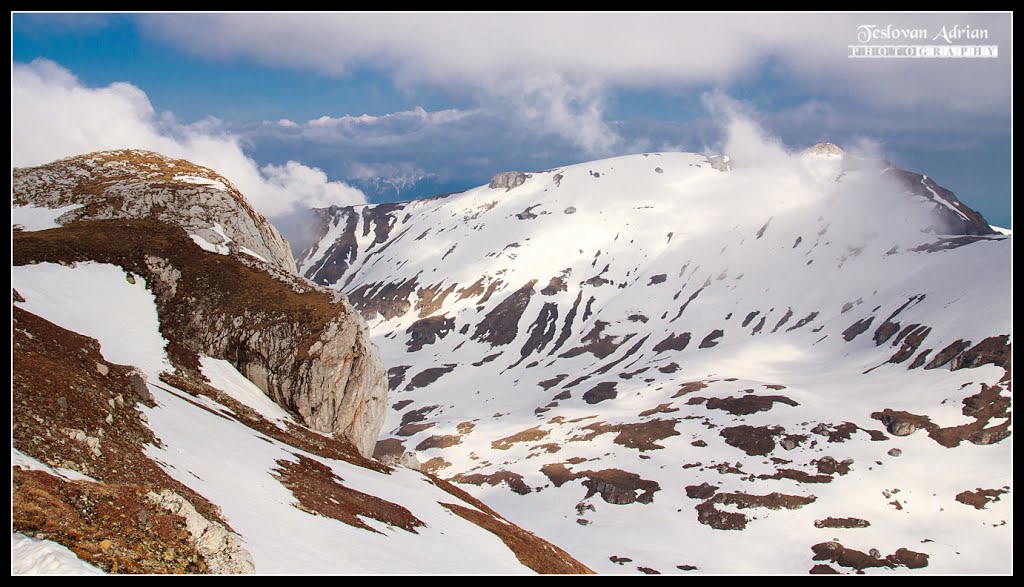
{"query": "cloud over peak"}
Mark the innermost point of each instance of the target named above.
(58, 116)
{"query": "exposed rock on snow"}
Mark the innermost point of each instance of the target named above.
(221, 548)
(509, 180)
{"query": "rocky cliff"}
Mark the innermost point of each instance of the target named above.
(302, 345)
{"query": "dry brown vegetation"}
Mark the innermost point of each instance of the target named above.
(614, 485)
(530, 435)
(743, 405)
(111, 525)
(980, 498)
(708, 514)
(57, 387)
(536, 553)
(319, 491)
(513, 480)
(436, 441)
(855, 559)
(753, 440)
(642, 436)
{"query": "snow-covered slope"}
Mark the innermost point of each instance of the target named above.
(166, 407)
(671, 362)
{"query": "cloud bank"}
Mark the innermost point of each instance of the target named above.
(54, 115)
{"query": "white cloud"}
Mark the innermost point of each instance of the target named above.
(53, 115)
(312, 183)
(743, 138)
(474, 51)
(555, 73)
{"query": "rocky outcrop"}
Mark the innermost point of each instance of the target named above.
(142, 184)
(222, 549)
(509, 180)
(302, 344)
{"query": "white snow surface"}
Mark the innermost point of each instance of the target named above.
(97, 300)
(31, 556)
(20, 459)
(208, 246)
(663, 244)
(225, 377)
(31, 218)
(197, 180)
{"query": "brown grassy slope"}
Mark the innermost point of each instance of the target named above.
(56, 389)
(212, 288)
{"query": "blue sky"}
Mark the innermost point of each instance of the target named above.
(406, 105)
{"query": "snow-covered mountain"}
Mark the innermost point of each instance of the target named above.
(183, 402)
(673, 362)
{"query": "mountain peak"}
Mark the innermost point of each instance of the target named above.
(826, 149)
(132, 183)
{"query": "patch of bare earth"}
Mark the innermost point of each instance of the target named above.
(642, 436)
(438, 441)
(660, 409)
(529, 435)
(534, 552)
(428, 376)
(514, 481)
(648, 571)
(797, 475)
(710, 515)
(743, 405)
(434, 465)
(614, 485)
(319, 491)
(753, 440)
(983, 407)
(702, 491)
(831, 522)
(690, 387)
(412, 429)
(980, 498)
(855, 559)
(388, 448)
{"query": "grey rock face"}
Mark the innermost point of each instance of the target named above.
(140, 184)
(221, 548)
(328, 373)
(509, 180)
(720, 162)
(902, 428)
(337, 383)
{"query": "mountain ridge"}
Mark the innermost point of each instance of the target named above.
(665, 306)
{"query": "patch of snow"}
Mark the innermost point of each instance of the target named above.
(252, 253)
(31, 556)
(1001, 230)
(96, 300)
(194, 179)
(220, 231)
(225, 377)
(20, 459)
(208, 246)
(941, 200)
(31, 218)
